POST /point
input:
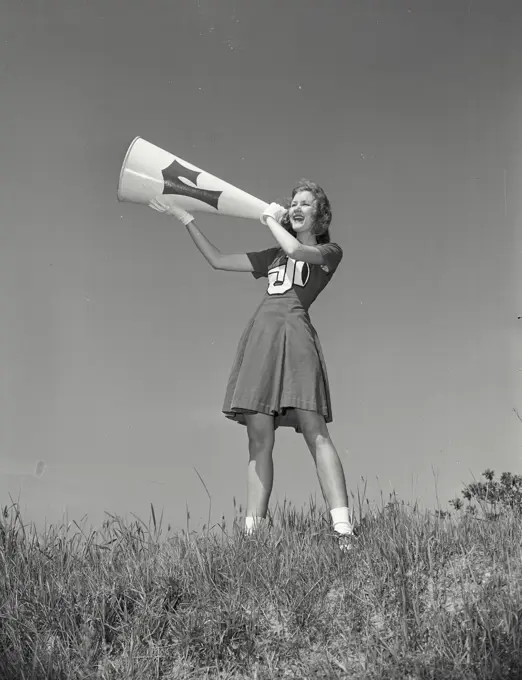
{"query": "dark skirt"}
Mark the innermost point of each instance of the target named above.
(279, 366)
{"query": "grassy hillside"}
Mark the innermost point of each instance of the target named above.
(421, 596)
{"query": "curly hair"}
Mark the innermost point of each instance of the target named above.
(323, 211)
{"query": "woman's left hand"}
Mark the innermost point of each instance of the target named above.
(275, 211)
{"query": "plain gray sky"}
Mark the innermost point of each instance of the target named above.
(117, 338)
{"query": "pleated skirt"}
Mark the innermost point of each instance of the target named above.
(279, 366)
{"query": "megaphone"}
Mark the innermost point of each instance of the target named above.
(149, 172)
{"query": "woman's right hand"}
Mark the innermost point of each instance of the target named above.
(163, 207)
(275, 211)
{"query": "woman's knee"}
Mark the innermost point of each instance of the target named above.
(314, 428)
(260, 429)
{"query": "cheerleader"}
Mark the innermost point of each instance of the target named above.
(278, 376)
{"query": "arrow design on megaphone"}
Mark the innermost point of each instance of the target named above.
(173, 184)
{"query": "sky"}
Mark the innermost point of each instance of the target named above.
(117, 337)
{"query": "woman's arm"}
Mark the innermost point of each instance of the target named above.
(233, 263)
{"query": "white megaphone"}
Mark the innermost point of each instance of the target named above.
(149, 172)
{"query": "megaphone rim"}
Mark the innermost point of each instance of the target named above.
(131, 145)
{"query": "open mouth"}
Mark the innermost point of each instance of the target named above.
(298, 218)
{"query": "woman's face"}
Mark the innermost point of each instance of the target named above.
(302, 212)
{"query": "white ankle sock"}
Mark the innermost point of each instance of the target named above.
(253, 523)
(341, 521)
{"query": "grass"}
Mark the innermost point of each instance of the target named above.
(421, 596)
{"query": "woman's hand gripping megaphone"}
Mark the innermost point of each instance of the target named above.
(275, 211)
(163, 207)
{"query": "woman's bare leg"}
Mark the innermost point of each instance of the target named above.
(260, 475)
(329, 471)
(327, 462)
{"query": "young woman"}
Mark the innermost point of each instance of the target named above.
(279, 376)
